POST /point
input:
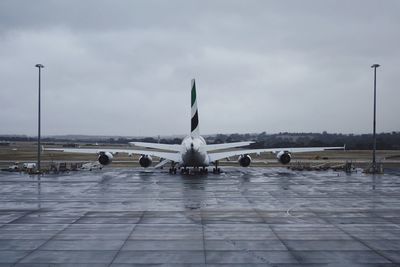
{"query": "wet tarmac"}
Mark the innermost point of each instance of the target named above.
(244, 217)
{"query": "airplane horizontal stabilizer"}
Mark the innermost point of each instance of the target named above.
(214, 147)
(169, 147)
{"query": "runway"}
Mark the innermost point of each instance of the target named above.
(243, 217)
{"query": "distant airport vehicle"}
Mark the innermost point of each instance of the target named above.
(12, 168)
(29, 166)
(193, 151)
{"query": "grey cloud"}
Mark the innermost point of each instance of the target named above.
(124, 67)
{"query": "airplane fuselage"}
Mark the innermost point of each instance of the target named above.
(193, 152)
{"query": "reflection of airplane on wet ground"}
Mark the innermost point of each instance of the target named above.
(193, 151)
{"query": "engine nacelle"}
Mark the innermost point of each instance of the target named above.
(244, 160)
(284, 157)
(145, 161)
(105, 158)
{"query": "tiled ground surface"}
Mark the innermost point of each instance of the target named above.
(244, 217)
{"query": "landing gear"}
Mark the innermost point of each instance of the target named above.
(172, 169)
(204, 170)
(216, 170)
(184, 170)
(194, 170)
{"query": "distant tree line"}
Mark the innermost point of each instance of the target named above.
(385, 141)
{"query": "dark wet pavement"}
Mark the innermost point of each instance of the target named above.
(253, 216)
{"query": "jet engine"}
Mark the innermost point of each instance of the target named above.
(105, 158)
(145, 161)
(284, 157)
(244, 160)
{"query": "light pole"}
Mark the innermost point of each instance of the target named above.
(39, 66)
(374, 134)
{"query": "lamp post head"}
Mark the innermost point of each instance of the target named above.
(39, 66)
(375, 66)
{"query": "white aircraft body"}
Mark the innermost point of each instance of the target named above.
(193, 151)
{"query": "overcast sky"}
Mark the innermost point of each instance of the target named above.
(124, 67)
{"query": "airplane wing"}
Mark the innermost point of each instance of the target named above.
(221, 155)
(172, 156)
(169, 147)
(226, 145)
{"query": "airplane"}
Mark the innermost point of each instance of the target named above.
(193, 152)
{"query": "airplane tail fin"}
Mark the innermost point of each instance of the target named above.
(195, 116)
